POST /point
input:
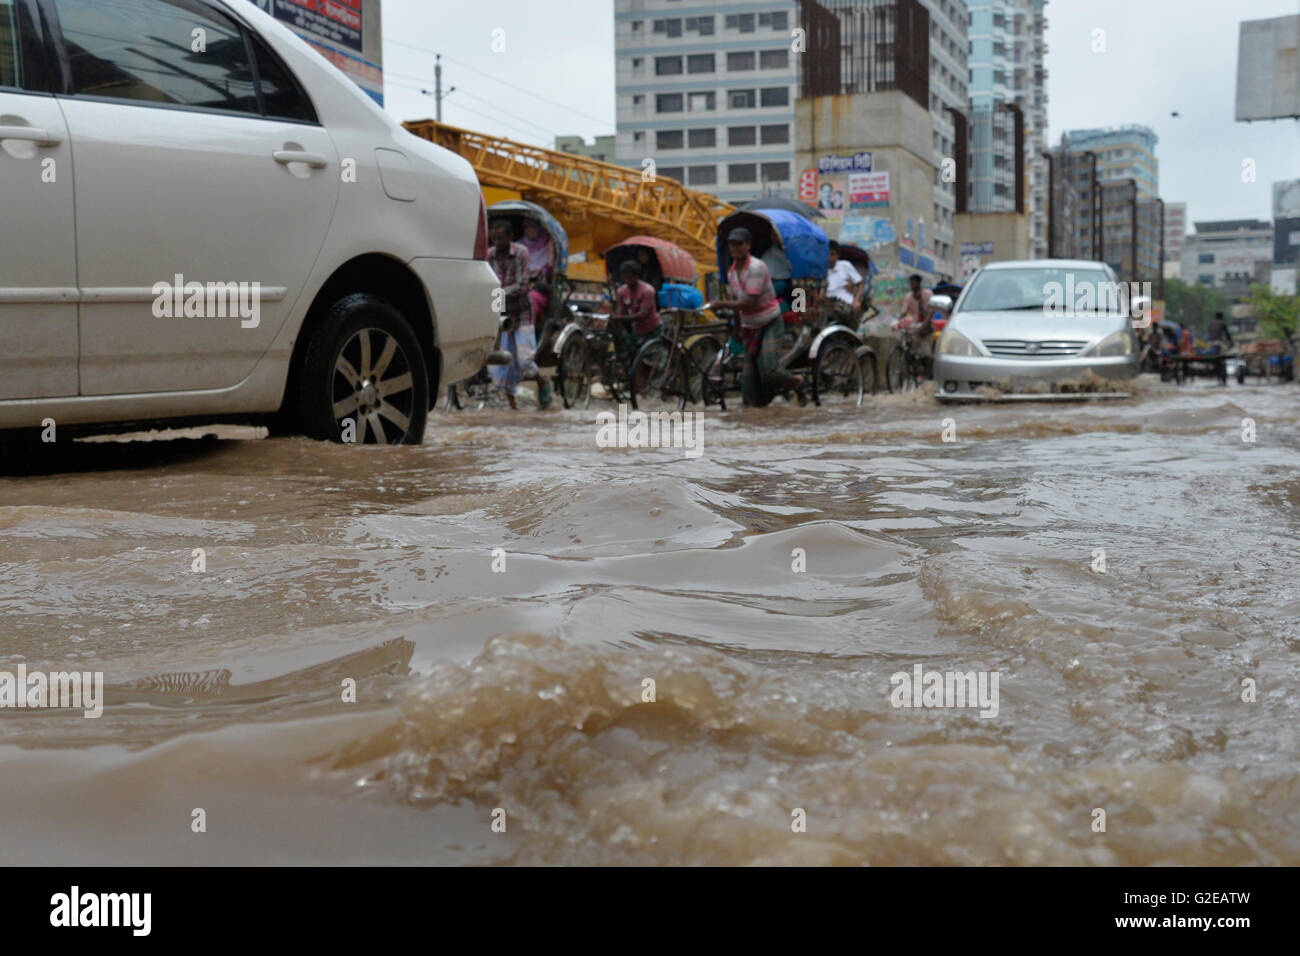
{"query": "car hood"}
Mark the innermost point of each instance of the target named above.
(1036, 326)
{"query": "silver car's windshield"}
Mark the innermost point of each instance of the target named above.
(1045, 290)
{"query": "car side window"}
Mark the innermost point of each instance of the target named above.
(170, 52)
(282, 97)
(10, 63)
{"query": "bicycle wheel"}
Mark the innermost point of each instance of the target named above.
(571, 373)
(701, 352)
(659, 374)
(837, 374)
(867, 363)
(898, 372)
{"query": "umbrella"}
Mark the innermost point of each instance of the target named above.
(779, 202)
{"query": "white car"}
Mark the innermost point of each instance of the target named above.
(202, 219)
(1037, 329)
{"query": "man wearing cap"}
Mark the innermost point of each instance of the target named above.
(754, 299)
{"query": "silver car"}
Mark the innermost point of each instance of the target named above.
(1036, 329)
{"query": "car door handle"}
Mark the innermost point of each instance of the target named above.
(31, 134)
(286, 156)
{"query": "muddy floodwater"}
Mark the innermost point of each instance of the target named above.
(506, 597)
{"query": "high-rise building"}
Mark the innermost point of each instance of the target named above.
(1006, 70)
(949, 85)
(1175, 226)
(1121, 223)
(706, 93)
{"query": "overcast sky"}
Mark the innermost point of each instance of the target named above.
(1161, 56)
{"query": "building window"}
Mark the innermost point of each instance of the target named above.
(777, 21)
(638, 137)
(669, 139)
(742, 173)
(776, 172)
(637, 61)
(703, 175)
(1205, 258)
(673, 172)
(703, 102)
(774, 59)
(704, 25)
(703, 138)
(744, 22)
(638, 99)
(668, 65)
(741, 99)
(668, 103)
(700, 63)
(776, 134)
(739, 62)
(776, 96)
(636, 26)
(741, 135)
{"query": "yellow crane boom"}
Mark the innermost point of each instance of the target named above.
(578, 187)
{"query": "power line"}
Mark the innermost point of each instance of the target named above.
(497, 79)
(519, 131)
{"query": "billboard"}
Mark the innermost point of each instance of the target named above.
(348, 33)
(1268, 69)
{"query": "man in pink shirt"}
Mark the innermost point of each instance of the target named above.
(761, 327)
(635, 302)
(918, 317)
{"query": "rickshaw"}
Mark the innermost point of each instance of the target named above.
(588, 348)
(479, 391)
(795, 250)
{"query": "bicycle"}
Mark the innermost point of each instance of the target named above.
(666, 369)
(590, 357)
(904, 368)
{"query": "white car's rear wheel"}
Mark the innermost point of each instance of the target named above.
(364, 379)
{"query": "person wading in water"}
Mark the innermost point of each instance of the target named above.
(761, 328)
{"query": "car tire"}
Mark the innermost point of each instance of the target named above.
(364, 364)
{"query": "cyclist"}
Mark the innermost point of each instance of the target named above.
(636, 312)
(752, 296)
(918, 318)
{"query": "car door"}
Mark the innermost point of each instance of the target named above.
(38, 262)
(201, 168)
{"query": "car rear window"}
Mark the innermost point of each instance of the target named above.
(10, 67)
(174, 52)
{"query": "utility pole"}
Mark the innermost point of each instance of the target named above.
(1133, 219)
(1051, 223)
(1160, 279)
(437, 93)
(437, 86)
(1098, 252)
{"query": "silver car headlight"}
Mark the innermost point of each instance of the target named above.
(953, 342)
(1115, 345)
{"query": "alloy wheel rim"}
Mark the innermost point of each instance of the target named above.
(373, 386)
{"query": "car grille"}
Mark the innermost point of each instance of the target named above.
(1018, 348)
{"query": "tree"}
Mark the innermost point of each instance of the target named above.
(1278, 315)
(1192, 306)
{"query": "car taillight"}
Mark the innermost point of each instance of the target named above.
(481, 237)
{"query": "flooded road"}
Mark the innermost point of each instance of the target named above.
(763, 594)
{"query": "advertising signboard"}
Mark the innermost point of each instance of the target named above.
(345, 32)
